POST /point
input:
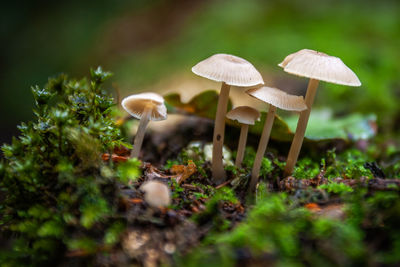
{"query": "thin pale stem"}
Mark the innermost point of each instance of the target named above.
(262, 146)
(137, 145)
(242, 145)
(218, 172)
(301, 128)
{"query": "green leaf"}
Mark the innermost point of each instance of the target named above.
(322, 126)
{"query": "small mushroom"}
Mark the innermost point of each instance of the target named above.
(231, 71)
(276, 98)
(318, 67)
(156, 194)
(245, 116)
(146, 107)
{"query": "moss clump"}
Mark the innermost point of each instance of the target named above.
(58, 194)
(349, 164)
(336, 188)
(306, 169)
(279, 231)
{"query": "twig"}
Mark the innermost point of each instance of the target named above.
(223, 184)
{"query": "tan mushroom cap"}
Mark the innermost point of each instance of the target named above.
(135, 105)
(230, 69)
(244, 115)
(157, 194)
(278, 98)
(317, 65)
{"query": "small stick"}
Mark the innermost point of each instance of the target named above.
(223, 184)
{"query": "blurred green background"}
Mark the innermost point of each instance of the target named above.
(148, 43)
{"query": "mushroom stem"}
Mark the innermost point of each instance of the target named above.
(301, 128)
(218, 172)
(242, 145)
(137, 145)
(262, 146)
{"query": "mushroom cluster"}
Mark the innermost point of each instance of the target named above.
(231, 71)
(235, 71)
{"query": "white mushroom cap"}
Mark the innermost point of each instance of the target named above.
(316, 65)
(244, 115)
(230, 69)
(156, 194)
(135, 105)
(278, 98)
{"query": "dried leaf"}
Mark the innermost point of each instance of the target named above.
(180, 172)
(114, 157)
(312, 207)
(183, 172)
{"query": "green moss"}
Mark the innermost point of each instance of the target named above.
(213, 211)
(277, 231)
(112, 236)
(349, 164)
(280, 233)
(55, 185)
(306, 169)
(129, 170)
(336, 188)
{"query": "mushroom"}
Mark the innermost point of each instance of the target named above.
(156, 194)
(245, 116)
(318, 67)
(146, 107)
(231, 71)
(276, 98)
